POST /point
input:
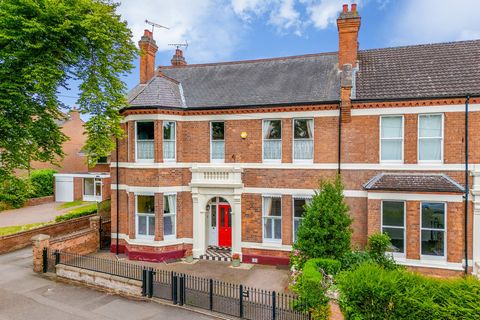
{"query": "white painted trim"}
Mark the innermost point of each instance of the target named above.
(436, 197)
(151, 243)
(266, 246)
(306, 166)
(223, 117)
(456, 266)
(151, 190)
(414, 110)
(98, 175)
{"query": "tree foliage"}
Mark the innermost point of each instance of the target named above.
(44, 45)
(325, 230)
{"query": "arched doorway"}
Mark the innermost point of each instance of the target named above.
(219, 222)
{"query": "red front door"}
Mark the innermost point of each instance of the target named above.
(224, 226)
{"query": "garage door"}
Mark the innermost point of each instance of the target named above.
(64, 189)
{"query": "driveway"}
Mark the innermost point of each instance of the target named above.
(26, 295)
(41, 213)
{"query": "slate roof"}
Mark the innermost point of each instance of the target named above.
(420, 71)
(411, 182)
(432, 70)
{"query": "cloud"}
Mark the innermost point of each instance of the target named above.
(324, 13)
(430, 21)
(209, 26)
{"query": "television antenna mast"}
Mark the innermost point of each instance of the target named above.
(178, 45)
(153, 24)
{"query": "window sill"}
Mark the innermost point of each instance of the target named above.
(143, 237)
(145, 160)
(272, 160)
(169, 238)
(303, 161)
(392, 162)
(272, 243)
(170, 160)
(426, 162)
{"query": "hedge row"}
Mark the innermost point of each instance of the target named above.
(372, 292)
(77, 213)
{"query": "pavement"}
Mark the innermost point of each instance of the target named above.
(257, 276)
(27, 295)
(34, 214)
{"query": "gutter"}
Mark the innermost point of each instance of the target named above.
(117, 195)
(465, 230)
(412, 98)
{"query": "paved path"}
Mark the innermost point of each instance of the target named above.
(41, 213)
(26, 295)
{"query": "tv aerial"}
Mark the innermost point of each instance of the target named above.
(179, 45)
(153, 24)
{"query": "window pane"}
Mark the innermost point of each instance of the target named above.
(430, 125)
(222, 217)
(433, 215)
(214, 216)
(151, 225)
(268, 228)
(142, 225)
(278, 228)
(397, 237)
(303, 149)
(391, 149)
(430, 149)
(88, 186)
(145, 149)
(303, 128)
(145, 131)
(433, 243)
(218, 131)
(272, 129)
(298, 207)
(169, 149)
(145, 204)
(272, 149)
(169, 130)
(98, 188)
(218, 150)
(393, 213)
(391, 127)
(272, 207)
(168, 225)
(296, 224)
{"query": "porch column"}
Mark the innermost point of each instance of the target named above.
(199, 225)
(237, 224)
(476, 220)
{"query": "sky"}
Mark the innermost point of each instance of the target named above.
(229, 30)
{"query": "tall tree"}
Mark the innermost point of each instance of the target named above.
(44, 45)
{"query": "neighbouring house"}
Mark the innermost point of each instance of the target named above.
(220, 158)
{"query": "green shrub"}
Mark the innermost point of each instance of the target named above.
(77, 213)
(14, 191)
(372, 292)
(104, 209)
(42, 182)
(325, 230)
(378, 244)
(353, 259)
(329, 266)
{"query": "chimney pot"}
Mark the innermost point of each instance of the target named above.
(178, 59)
(148, 49)
(345, 8)
(354, 7)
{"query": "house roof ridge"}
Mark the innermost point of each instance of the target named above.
(419, 45)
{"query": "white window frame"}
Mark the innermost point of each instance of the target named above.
(264, 217)
(293, 141)
(281, 142)
(442, 139)
(137, 214)
(307, 200)
(381, 139)
(397, 254)
(94, 196)
(136, 143)
(211, 143)
(174, 215)
(445, 242)
(174, 159)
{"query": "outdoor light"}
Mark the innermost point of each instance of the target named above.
(243, 135)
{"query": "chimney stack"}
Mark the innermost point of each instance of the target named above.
(148, 49)
(348, 24)
(178, 59)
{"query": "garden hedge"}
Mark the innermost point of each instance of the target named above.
(42, 182)
(372, 292)
(77, 213)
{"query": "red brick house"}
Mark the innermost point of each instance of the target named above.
(227, 154)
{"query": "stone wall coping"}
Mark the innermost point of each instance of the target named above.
(40, 237)
(107, 276)
(71, 235)
(95, 218)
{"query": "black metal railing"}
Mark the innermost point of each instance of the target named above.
(183, 289)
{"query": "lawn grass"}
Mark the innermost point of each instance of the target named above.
(71, 204)
(4, 231)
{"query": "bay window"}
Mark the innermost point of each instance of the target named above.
(433, 229)
(393, 223)
(217, 140)
(272, 218)
(169, 215)
(145, 142)
(145, 214)
(303, 139)
(298, 213)
(169, 150)
(430, 137)
(391, 138)
(272, 140)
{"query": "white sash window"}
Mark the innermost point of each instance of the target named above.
(272, 219)
(303, 139)
(169, 215)
(391, 138)
(145, 142)
(217, 140)
(272, 140)
(169, 147)
(430, 137)
(145, 213)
